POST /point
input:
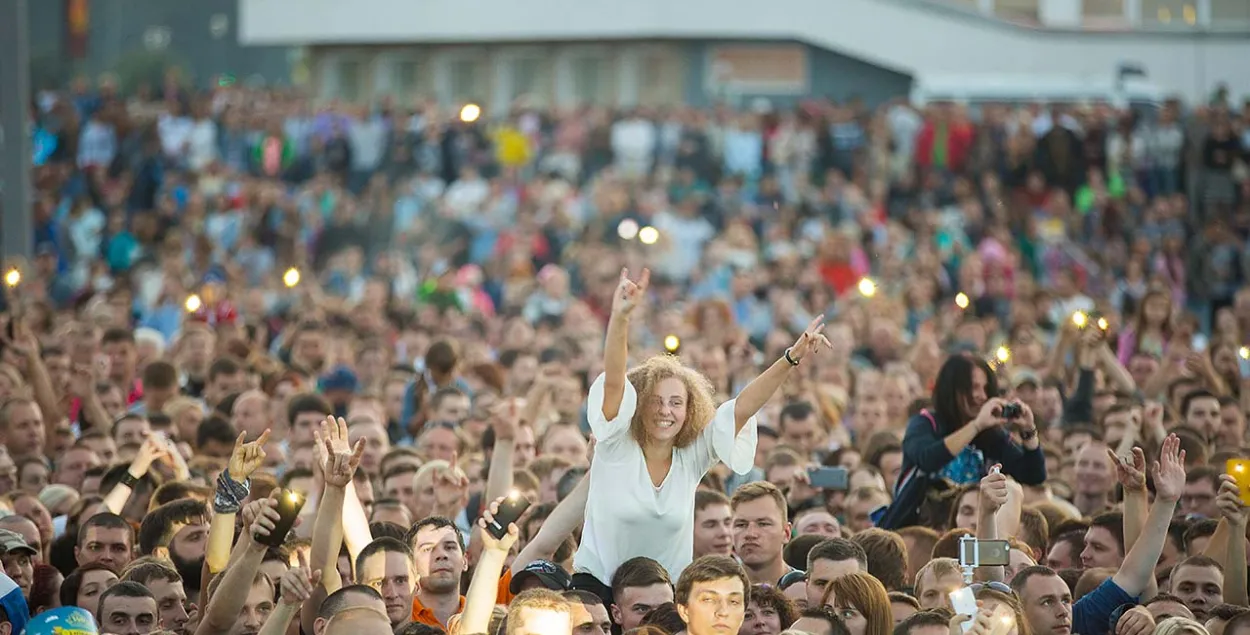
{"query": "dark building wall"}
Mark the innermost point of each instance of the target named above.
(116, 41)
(830, 74)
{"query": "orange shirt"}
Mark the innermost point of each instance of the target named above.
(423, 615)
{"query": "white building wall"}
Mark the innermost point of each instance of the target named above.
(892, 33)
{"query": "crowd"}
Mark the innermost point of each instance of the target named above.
(284, 368)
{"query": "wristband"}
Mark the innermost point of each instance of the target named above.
(793, 362)
(230, 494)
(128, 479)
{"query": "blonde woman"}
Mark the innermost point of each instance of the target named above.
(658, 432)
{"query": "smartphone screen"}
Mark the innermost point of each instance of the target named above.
(964, 602)
(1239, 469)
(835, 478)
(289, 505)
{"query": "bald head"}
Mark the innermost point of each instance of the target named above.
(359, 621)
(250, 413)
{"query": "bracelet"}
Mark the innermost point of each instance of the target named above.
(128, 479)
(793, 362)
(229, 496)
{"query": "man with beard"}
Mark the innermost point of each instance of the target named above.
(178, 531)
(163, 581)
(439, 551)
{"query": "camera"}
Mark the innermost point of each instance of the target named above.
(1012, 411)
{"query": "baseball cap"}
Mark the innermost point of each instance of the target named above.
(12, 541)
(551, 575)
(66, 620)
(1024, 376)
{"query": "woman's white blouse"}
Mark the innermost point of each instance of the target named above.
(626, 516)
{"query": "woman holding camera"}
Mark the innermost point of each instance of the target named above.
(965, 431)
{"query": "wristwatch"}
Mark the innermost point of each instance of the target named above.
(1028, 435)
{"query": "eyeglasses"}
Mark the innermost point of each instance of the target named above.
(993, 586)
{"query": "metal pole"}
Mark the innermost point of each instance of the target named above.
(16, 227)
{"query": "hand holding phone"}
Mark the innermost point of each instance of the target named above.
(834, 478)
(276, 519)
(1239, 469)
(504, 512)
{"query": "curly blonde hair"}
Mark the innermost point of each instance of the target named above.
(700, 408)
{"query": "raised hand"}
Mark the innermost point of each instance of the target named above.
(506, 419)
(247, 457)
(23, 342)
(994, 490)
(267, 517)
(451, 486)
(1135, 621)
(341, 459)
(990, 415)
(298, 582)
(629, 294)
(1130, 471)
(488, 541)
(1229, 502)
(151, 451)
(812, 339)
(1169, 470)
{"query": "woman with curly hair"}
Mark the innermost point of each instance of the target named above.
(862, 602)
(769, 611)
(657, 432)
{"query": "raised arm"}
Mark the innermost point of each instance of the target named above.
(149, 452)
(761, 389)
(1137, 571)
(227, 602)
(341, 461)
(1234, 511)
(233, 486)
(563, 521)
(628, 296)
(479, 602)
(993, 498)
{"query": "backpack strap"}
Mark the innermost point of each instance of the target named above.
(929, 415)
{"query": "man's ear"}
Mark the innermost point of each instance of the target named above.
(614, 610)
(681, 610)
(6, 628)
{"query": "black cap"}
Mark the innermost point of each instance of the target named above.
(552, 576)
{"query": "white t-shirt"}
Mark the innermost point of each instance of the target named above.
(626, 516)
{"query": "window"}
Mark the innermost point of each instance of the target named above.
(1230, 13)
(351, 80)
(465, 77)
(1179, 14)
(661, 81)
(405, 78)
(527, 78)
(590, 80)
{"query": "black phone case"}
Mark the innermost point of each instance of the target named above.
(288, 510)
(510, 511)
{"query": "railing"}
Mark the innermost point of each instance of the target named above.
(1170, 16)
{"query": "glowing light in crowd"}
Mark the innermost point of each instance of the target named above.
(1103, 323)
(961, 300)
(13, 277)
(470, 113)
(648, 235)
(672, 343)
(193, 303)
(291, 277)
(1003, 354)
(867, 287)
(628, 229)
(1244, 351)
(1080, 319)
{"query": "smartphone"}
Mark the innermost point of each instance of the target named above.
(289, 505)
(835, 478)
(510, 511)
(1239, 469)
(964, 601)
(983, 553)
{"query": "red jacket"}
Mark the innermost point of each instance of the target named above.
(958, 144)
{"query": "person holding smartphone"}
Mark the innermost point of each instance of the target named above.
(965, 431)
(658, 432)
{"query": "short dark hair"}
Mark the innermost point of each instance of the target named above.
(1023, 575)
(117, 335)
(793, 411)
(922, 618)
(1199, 561)
(1203, 473)
(887, 556)
(708, 569)
(1227, 612)
(382, 545)
(666, 617)
(126, 589)
(307, 402)
(105, 520)
(417, 628)
(215, 428)
(826, 613)
(1204, 528)
(837, 550)
(432, 522)
(1241, 622)
(159, 525)
(383, 529)
(638, 571)
(160, 374)
(1193, 396)
(337, 601)
(706, 498)
(226, 365)
(1113, 522)
(145, 572)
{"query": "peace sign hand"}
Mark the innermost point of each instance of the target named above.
(812, 339)
(629, 294)
(247, 457)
